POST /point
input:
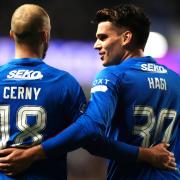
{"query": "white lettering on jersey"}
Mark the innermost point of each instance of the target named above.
(100, 82)
(153, 68)
(15, 92)
(101, 88)
(24, 75)
(157, 83)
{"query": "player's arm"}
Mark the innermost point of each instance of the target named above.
(14, 160)
(91, 126)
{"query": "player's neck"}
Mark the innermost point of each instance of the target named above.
(133, 53)
(26, 52)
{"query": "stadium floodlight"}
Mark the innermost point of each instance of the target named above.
(157, 45)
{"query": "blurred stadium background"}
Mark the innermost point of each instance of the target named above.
(71, 49)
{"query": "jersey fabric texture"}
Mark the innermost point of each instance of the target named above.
(37, 102)
(135, 102)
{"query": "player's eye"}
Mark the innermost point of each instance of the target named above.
(102, 37)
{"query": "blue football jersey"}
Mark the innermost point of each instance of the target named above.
(138, 102)
(37, 102)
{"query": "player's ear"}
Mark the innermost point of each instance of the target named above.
(11, 34)
(45, 36)
(127, 38)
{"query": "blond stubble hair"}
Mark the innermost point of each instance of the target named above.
(29, 19)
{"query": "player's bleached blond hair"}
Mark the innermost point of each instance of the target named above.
(28, 20)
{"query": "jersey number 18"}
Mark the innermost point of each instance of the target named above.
(26, 130)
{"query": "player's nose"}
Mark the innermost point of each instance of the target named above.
(97, 44)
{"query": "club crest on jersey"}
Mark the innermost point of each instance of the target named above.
(24, 75)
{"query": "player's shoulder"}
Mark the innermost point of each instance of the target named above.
(63, 79)
(109, 75)
(59, 73)
(4, 69)
(114, 71)
(53, 70)
(173, 73)
(169, 72)
(4, 66)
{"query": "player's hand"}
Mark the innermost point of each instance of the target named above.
(158, 156)
(14, 160)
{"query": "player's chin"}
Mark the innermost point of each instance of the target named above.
(105, 63)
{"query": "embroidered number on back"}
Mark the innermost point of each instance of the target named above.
(26, 131)
(145, 130)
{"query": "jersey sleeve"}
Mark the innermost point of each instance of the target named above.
(103, 101)
(90, 128)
